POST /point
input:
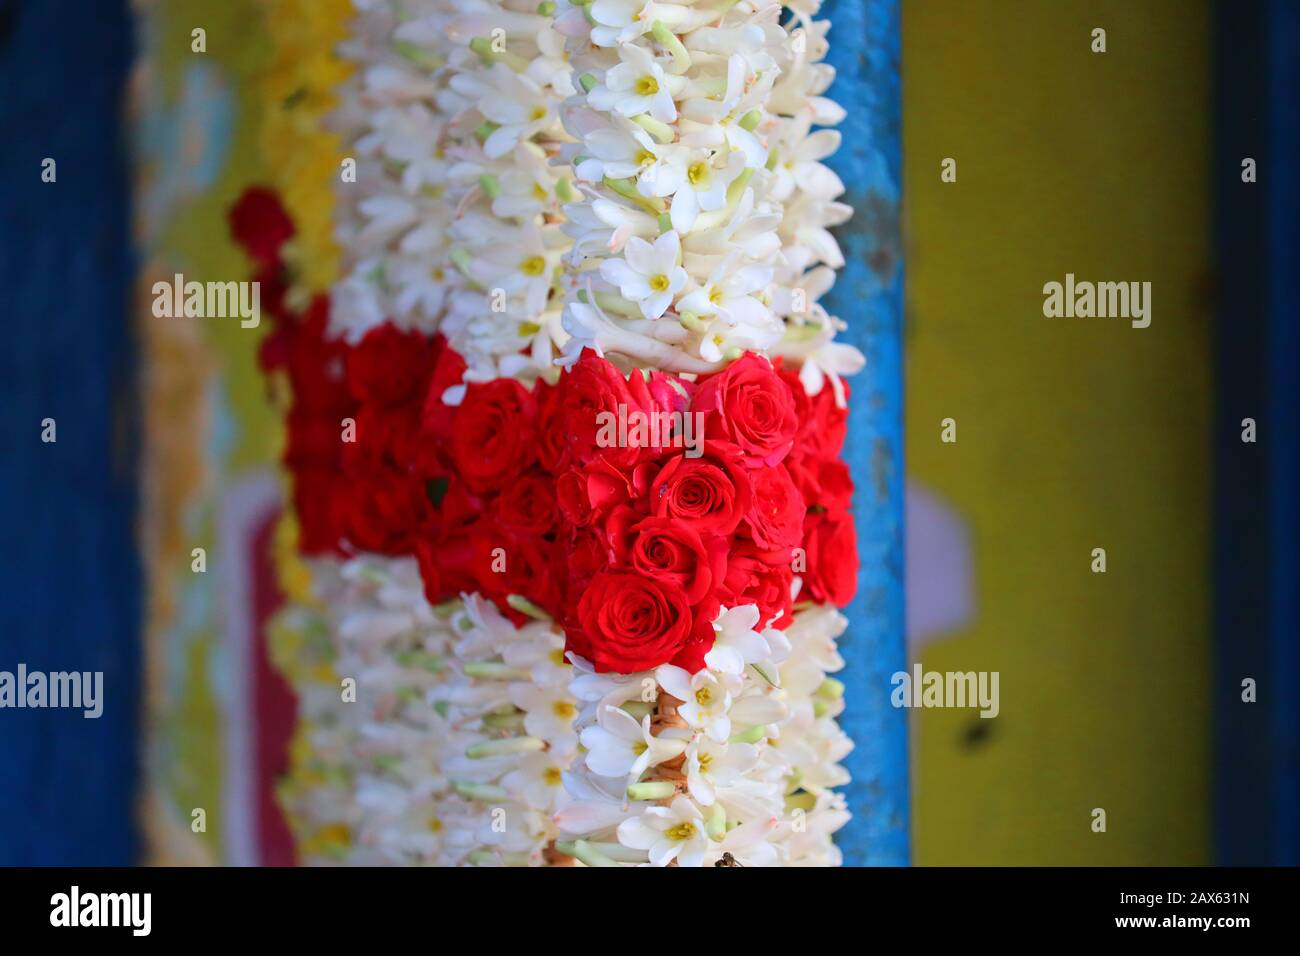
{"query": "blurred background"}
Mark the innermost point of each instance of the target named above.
(1119, 690)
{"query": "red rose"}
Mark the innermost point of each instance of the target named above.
(823, 424)
(572, 497)
(455, 506)
(667, 549)
(319, 501)
(446, 563)
(749, 405)
(631, 623)
(753, 579)
(316, 369)
(437, 416)
(382, 437)
(386, 511)
(527, 505)
(594, 397)
(710, 493)
(273, 282)
(259, 223)
(552, 448)
(312, 439)
(775, 518)
(831, 545)
(507, 563)
(492, 434)
(825, 483)
(585, 555)
(388, 366)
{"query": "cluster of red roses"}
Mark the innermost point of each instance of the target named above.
(516, 490)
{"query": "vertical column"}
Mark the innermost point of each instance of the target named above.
(868, 295)
(69, 581)
(1257, 352)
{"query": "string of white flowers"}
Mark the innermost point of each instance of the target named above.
(453, 221)
(732, 765)
(703, 226)
(440, 734)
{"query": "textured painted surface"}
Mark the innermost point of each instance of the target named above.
(864, 49)
(1072, 434)
(69, 578)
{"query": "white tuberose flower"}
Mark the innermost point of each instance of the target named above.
(619, 746)
(514, 102)
(649, 275)
(637, 85)
(737, 642)
(706, 699)
(710, 764)
(730, 294)
(673, 832)
(704, 188)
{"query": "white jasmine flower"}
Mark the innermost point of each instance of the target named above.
(720, 339)
(752, 844)
(757, 708)
(615, 152)
(800, 167)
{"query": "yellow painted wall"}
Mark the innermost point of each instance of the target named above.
(1072, 433)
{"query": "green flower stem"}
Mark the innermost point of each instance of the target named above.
(492, 670)
(507, 745)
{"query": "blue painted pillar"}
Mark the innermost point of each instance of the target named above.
(864, 49)
(69, 580)
(1257, 496)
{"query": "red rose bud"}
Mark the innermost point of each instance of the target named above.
(492, 437)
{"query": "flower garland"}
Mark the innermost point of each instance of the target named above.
(703, 228)
(666, 511)
(453, 747)
(453, 222)
(731, 765)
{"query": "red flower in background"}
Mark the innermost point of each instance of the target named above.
(389, 367)
(492, 436)
(259, 223)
